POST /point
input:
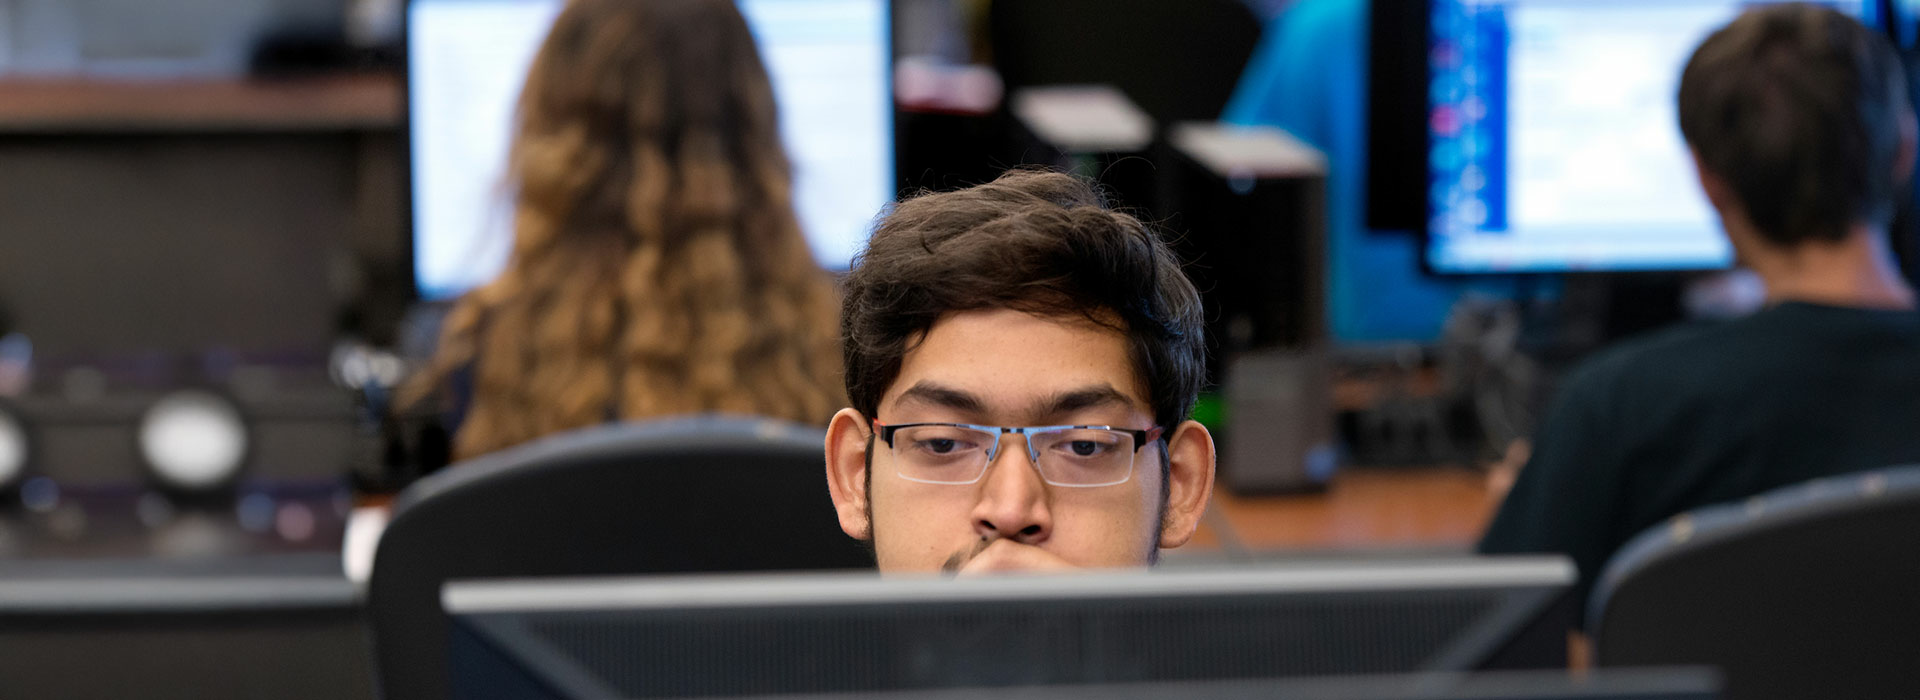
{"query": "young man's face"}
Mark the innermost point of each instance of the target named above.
(1007, 368)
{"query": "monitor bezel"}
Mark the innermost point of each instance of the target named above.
(496, 613)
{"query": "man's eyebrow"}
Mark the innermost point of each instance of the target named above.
(1083, 398)
(943, 397)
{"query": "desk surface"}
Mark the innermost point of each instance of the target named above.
(1438, 508)
(1363, 508)
(329, 103)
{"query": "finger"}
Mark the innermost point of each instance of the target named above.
(1006, 555)
(964, 555)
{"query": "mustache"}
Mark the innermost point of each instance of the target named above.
(961, 557)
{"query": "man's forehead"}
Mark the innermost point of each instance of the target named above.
(1007, 362)
(1100, 395)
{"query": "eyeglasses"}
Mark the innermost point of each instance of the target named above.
(1065, 455)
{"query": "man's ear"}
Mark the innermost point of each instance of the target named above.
(1750, 249)
(847, 440)
(1189, 482)
(1719, 194)
(1909, 142)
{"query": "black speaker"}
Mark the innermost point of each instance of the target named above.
(1249, 205)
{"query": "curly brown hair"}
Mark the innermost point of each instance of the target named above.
(657, 265)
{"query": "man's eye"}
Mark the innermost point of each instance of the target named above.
(943, 446)
(1087, 448)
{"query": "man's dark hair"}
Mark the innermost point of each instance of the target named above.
(1040, 242)
(1799, 108)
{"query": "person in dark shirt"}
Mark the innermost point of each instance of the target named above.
(1799, 124)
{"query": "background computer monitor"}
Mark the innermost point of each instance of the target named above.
(716, 636)
(830, 61)
(1550, 141)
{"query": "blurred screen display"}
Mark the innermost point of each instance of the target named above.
(830, 64)
(1555, 142)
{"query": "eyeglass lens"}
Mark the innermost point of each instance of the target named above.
(1068, 457)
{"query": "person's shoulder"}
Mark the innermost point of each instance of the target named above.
(1716, 355)
(1659, 357)
(1816, 321)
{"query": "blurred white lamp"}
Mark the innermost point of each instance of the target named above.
(193, 440)
(14, 448)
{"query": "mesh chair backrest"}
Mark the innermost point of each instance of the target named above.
(707, 494)
(1808, 591)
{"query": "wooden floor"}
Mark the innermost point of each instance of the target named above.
(1363, 509)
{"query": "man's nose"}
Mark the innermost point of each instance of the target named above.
(1013, 498)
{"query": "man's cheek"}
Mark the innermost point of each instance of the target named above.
(1124, 535)
(910, 538)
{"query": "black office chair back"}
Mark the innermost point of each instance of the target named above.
(703, 494)
(1810, 591)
